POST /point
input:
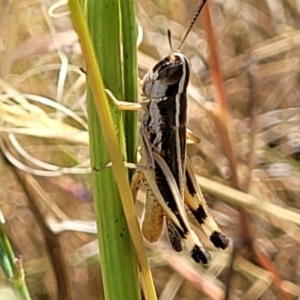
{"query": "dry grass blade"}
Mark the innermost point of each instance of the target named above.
(35, 192)
(242, 199)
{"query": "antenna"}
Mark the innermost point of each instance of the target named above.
(192, 23)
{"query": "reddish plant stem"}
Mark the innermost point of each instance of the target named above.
(265, 262)
(221, 114)
(221, 118)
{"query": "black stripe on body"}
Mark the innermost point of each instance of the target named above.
(165, 119)
(162, 131)
(169, 199)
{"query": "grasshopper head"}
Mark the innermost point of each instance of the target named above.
(169, 77)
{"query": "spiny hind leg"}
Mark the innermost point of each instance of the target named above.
(179, 238)
(174, 210)
(154, 214)
(197, 204)
(153, 217)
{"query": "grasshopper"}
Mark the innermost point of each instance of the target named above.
(168, 176)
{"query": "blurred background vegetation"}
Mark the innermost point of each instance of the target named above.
(44, 176)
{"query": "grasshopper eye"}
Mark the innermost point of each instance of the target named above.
(171, 74)
(168, 77)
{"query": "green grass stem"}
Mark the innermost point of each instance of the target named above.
(119, 280)
(118, 263)
(130, 75)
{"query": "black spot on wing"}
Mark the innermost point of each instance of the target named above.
(200, 255)
(219, 239)
(200, 214)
